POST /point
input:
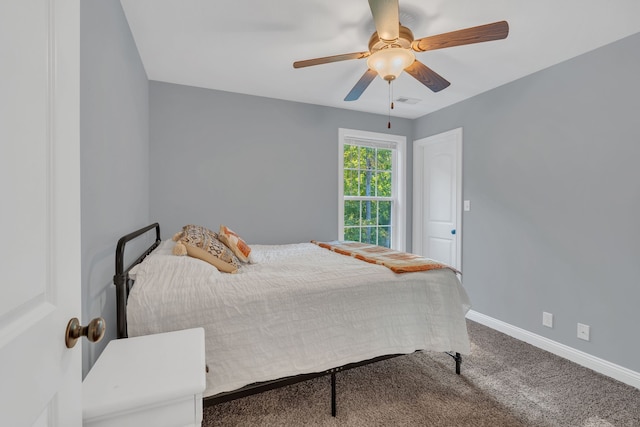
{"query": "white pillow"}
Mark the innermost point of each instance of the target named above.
(162, 261)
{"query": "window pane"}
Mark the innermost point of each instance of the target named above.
(369, 213)
(350, 183)
(384, 160)
(352, 233)
(366, 183)
(369, 235)
(384, 213)
(367, 158)
(383, 184)
(350, 156)
(384, 236)
(351, 212)
(374, 185)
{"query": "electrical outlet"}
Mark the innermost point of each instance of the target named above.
(583, 332)
(547, 319)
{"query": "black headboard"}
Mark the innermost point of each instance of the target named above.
(121, 278)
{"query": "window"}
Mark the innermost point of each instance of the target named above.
(372, 187)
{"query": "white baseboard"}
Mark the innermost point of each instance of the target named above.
(602, 366)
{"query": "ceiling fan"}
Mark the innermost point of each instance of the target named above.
(392, 47)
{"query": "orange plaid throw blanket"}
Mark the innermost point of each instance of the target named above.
(396, 261)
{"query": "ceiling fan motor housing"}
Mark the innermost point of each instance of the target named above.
(403, 41)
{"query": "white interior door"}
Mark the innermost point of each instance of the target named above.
(40, 191)
(437, 187)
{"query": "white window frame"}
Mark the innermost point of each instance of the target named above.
(398, 143)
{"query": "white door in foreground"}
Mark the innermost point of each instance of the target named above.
(40, 192)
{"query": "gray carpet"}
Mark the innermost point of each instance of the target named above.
(504, 382)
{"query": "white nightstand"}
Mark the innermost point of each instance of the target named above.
(152, 380)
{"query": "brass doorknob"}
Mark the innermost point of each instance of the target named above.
(94, 331)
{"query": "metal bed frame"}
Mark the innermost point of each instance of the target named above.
(124, 283)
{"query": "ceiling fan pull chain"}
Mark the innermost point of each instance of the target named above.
(391, 96)
(390, 106)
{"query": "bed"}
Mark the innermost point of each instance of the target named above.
(296, 312)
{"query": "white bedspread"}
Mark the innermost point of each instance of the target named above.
(298, 309)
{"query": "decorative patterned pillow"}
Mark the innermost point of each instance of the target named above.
(202, 243)
(234, 242)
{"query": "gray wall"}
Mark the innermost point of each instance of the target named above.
(551, 169)
(264, 167)
(114, 132)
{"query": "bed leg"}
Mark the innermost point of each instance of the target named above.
(458, 358)
(333, 394)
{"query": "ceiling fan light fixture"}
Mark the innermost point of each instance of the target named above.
(390, 62)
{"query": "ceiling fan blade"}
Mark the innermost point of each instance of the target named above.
(386, 17)
(328, 59)
(362, 84)
(482, 33)
(427, 76)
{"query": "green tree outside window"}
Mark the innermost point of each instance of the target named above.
(367, 177)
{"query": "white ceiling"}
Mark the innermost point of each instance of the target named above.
(249, 46)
